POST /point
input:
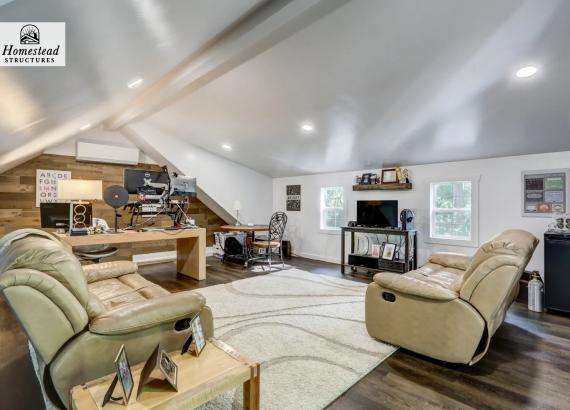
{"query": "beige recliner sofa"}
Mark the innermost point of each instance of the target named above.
(76, 318)
(450, 308)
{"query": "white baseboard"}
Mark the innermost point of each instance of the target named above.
(319, 257)
(161, 257)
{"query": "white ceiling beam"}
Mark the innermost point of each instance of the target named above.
(259, 30)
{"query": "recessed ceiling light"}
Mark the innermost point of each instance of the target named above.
(227, 147)
(527, 71)
(85, 127)
(135, 83)
(307, 127)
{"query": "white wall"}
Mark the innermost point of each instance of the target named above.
(499, 202)
(221, 180)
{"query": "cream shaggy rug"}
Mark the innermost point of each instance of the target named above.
(306, 330)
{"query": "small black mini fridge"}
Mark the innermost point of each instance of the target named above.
(557, 271)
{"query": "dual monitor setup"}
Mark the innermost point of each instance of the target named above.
(156, 194)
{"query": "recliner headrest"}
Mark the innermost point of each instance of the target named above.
(49, 257)
(511, 242)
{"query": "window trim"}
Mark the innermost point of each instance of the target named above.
(474, 241)
(331, 231)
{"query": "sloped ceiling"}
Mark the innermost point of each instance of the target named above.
(108, 43)
(384, 82)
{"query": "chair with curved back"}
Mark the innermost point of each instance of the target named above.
(274, 240)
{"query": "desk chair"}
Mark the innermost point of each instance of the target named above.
(95, 253)
(275, 238)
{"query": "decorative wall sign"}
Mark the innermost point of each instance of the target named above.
(46, 185)
(293, 197)
(544, 193)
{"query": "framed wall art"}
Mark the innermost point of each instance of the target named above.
(544, 192)
(46, 185)
(293, 202)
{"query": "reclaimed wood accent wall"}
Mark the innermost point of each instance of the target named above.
(18, 199)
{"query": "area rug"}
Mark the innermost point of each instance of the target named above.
(306, 330)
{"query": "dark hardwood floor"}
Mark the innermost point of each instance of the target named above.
(528, 364)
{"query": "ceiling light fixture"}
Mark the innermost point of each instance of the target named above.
(227, 147)
(85, 127)
(307, 127)
(135, 83)
(526, 72)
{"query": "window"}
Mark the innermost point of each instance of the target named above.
(332, 208)
(453, 212)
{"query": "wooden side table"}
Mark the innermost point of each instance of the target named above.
(200, 379)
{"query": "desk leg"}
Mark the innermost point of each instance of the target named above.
(251, 390)
(191, 256)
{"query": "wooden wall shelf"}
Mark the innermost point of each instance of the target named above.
(382, 187)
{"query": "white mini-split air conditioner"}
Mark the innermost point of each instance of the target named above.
(89, 151)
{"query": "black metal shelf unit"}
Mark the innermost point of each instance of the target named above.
(408, 262)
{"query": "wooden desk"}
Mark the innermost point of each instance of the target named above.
(190, 246)
(251, 230)
(200, 379)
(244, 228)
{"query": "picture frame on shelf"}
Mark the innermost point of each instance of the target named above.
(389, 176)
(376, 251)
(365, 180)
(389, 251)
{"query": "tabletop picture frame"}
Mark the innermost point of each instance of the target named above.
(196, 341)
(389, 251)
(159, 359)
(124, 376)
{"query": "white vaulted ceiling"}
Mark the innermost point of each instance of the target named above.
(383, 81)
(108, 43)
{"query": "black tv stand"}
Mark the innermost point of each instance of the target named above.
(408, 262)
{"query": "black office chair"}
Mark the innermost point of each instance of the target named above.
(274, 240)
(95, 253)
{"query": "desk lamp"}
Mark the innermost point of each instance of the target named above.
(77, 191)
(237, 208)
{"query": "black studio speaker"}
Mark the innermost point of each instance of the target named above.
(407, 219)
(116, 196)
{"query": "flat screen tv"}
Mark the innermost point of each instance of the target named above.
(380, 214)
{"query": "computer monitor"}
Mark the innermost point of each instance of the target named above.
(182, 185)
(54, 215)
(133, 179)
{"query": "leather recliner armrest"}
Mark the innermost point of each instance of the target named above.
(108, 270)
(147, 314)
(411, 286)
(451, 260)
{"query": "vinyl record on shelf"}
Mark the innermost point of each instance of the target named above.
(116, 196)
